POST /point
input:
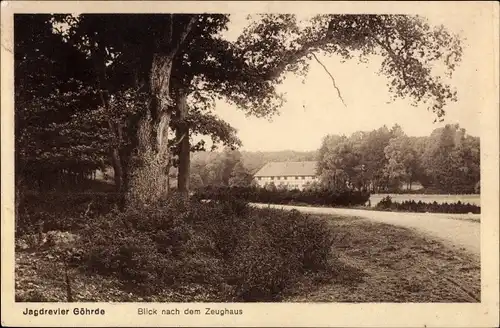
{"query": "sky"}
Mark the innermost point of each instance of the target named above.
(313, 109)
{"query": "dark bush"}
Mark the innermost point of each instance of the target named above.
(151, 248)
(278, 249)
(258, 253)
(411, 206)
(456, 190)
(385, 203)
(261, 195)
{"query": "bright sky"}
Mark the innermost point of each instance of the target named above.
(313, 109)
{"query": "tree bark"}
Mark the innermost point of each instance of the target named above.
(161, 113)
(152, 175)
(149, 180)
(182, 137)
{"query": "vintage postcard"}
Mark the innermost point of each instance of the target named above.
(291, 164)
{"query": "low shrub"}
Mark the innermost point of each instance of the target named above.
(277, 251)
(151, 247)
(411, 206)
(244, 254)
(261, 195)
(456, 190)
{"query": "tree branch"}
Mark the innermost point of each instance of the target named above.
(183, 35)
(276, 72)
(293, 57)
(331, 76)
(395, 58)
(180, 139)
(171, 29)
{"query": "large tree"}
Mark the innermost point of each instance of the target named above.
(373, 157)
(401, 166)
(204, 67)
(339, 163)
(451, 160)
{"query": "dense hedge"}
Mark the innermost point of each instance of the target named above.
(411, 206)
(433, 191)
(234, 251)
(261, 195)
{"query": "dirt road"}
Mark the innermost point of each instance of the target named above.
(460, 231)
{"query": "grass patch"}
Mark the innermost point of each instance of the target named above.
(398, 265)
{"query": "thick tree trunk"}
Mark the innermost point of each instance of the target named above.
(182, 137)
(150, 177)
(161, 122)
(150, 183)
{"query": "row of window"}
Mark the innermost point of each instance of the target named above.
(284, 178)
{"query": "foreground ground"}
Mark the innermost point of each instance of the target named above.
(397, 265)
(375, 262)
(459, 231)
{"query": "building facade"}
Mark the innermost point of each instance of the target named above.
(292, 175)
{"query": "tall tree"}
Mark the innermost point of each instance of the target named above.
(373, 157)
(340, 166)
(208, 68)
(452, 160)
(240, 176)
(401, 161)
(142, 49)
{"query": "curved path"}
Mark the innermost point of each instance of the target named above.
(460, 231)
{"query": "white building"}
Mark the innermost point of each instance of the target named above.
(293, 175)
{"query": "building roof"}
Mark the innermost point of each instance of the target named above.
(274, 169)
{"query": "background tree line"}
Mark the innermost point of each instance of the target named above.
(387, 160)
(382, 160)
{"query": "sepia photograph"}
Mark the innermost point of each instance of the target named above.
(277, 157)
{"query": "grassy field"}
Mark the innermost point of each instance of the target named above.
(374, 262)
(396, 265)
(472, 199)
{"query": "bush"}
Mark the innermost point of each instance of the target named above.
(385, 203)
(260, 195)
(411, 206)
(152, 247)
(277, 251)
(456, 190)
(244, 254)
